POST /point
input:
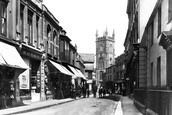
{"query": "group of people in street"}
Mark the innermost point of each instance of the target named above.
(80, 90)
(83, 90)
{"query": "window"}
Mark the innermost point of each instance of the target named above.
(61, 46)
(101, 47)
(159, 71)
(3, 24)
(37, 32)
(30, 27)
(101, 75)
(21, 22)
(151, 77)
(169, 10)
(159, 20)
(151, 33)
(48, 38)
(110, 48)
(54, 43)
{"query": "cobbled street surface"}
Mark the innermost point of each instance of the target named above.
(84, 106)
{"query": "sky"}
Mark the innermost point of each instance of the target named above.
(81, 18)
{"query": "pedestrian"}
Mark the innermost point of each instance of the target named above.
(104, 92)
(84, 90)
(110, 92)
(100, 91)
(73, 92)
(94, 90)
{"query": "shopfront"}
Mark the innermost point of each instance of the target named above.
(30, 80)
(11, 66)
(59, 80)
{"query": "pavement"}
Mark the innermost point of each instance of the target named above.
(124, 107)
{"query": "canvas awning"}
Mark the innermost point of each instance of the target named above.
(10, 57)
(77, 72)
(81, 74)
(60, 68)
(73, 76)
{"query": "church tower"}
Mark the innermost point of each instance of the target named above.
(105, 53)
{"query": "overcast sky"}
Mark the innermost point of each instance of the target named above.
(81, 19)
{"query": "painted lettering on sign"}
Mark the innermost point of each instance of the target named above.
(30, 54)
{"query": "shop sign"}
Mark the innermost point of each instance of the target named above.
(24, 78)
(31, 54)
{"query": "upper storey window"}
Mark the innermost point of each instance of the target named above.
(3, 14)
(30, 27)
(159, 21)
(169, 10)
(55, 43)
(48, 38)
(21, 21)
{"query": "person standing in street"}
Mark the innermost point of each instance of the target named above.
(94, 90)
(88, 92)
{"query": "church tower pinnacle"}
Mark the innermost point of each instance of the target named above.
(113, 34)
(106, 32)
(97, 34)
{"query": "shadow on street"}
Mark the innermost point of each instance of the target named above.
(113, 97)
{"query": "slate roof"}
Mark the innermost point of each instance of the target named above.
(89, 66)
(87, 57)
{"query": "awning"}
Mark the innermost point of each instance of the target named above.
(2, 62)
(10, 57)
(73, 76)
(73, 70)
(60, 68)
(77, 72)
(81, 74)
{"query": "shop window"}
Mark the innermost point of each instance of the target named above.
(3, 21)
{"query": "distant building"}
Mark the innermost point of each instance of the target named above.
(110, 77)
(88, 60)
(120, 71)
(105, 53)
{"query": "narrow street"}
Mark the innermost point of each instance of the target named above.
(84, 106)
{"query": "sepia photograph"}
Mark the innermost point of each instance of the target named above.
(85, 57)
